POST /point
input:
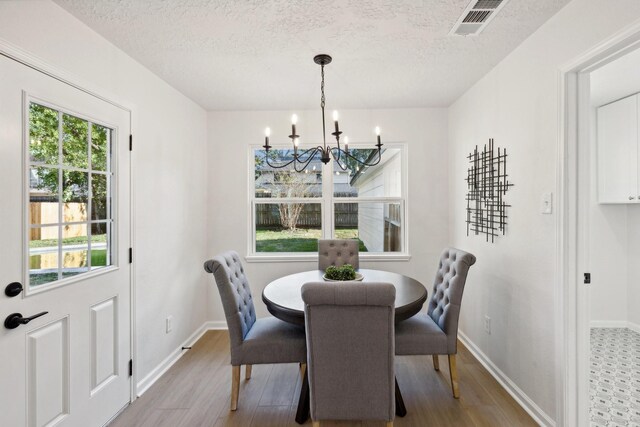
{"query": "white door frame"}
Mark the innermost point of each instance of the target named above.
(17, 54)
(571, 311)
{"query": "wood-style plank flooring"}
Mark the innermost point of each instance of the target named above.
(196, 392)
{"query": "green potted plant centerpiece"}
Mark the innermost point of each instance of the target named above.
(341, 274)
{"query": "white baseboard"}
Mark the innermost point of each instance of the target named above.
(614, 324)
(216, 325)
(519, 396)
(153, 376)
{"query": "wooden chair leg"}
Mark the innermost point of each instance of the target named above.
(247, 374)
(316, 424)
(303, 369)
(453, 372)
(235, 386)
(436, 362)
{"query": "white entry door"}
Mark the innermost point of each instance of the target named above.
(65, 237)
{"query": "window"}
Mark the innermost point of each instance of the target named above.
(291, 210)
(70, 216)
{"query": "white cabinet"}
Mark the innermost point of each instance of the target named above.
(618, 151)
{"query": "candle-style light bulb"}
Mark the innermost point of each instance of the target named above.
(378, 137)
(335, 121)
(346, 144)
(267, 133)
(378, 130)
(294, 121)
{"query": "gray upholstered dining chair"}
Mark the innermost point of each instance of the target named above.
(338, 252)
(436, 332)
(350, 350)
(253, 341)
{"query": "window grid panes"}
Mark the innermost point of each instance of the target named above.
(364, 203)
(70, 218)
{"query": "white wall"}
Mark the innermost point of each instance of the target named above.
(513, 281)
(232, 133)
(616, 80)
(169, 170)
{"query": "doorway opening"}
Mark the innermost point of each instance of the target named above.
(599, 293)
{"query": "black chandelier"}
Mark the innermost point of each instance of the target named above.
(301, 160)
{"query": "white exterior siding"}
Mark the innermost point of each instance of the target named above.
(380, 181)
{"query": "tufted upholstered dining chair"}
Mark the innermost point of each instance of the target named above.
(436, 332)
(253, 341)
(350, 350)
(338, 252)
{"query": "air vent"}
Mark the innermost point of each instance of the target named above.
(476, 16)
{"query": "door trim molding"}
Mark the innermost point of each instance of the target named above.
(571, 308)
(34, 62)
(24, 57)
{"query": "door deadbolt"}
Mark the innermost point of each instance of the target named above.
(13, 289)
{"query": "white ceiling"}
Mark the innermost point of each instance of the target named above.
(257, 54)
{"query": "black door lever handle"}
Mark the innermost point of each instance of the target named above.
(15, 319)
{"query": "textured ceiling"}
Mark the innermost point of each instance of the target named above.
(257, 54)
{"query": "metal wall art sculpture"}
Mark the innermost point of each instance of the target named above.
(487, 184)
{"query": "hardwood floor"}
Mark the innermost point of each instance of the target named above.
(196, 391)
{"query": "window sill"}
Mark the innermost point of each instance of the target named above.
(292, 257)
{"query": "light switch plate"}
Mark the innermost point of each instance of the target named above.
(547, 203)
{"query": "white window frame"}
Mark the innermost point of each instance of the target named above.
(327, 203)
(28, 99)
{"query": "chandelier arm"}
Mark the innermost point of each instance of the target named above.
(306, 162)
(297, 159)
(304, 153)
(361, 162)
(337, 158)
(284, 165)
(340, 150)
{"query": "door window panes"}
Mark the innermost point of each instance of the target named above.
(43, 134)
(100, 147)
(70, 216)
(43, 195)
(75, 137)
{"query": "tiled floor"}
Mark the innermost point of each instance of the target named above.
(615, 377)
